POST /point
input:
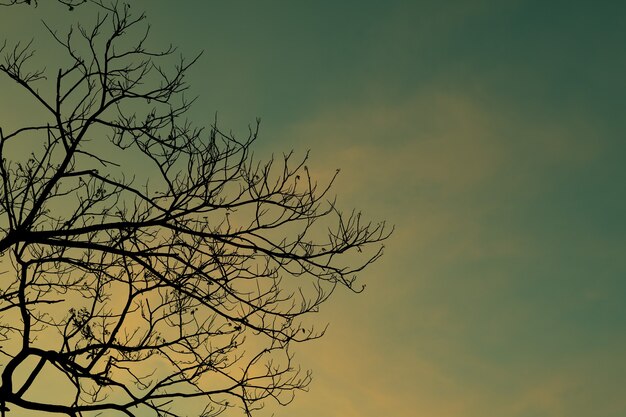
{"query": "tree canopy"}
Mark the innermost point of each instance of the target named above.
(148, 262)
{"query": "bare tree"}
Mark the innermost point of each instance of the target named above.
(154, 267)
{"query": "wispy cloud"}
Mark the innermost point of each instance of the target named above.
(446, 168)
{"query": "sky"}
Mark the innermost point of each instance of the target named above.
(491, 134)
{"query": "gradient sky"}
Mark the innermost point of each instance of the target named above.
(492, 134)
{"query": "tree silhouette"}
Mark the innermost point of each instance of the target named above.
(152, 266)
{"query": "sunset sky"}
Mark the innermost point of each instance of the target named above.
(491, 134)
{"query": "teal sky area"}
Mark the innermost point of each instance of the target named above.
(492, 135)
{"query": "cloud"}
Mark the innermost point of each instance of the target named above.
(440, 161)
(454, 142)
(437, 140)
(451, 170)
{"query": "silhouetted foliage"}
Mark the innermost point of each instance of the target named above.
(146, 261)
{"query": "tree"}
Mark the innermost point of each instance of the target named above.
(153, 266)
